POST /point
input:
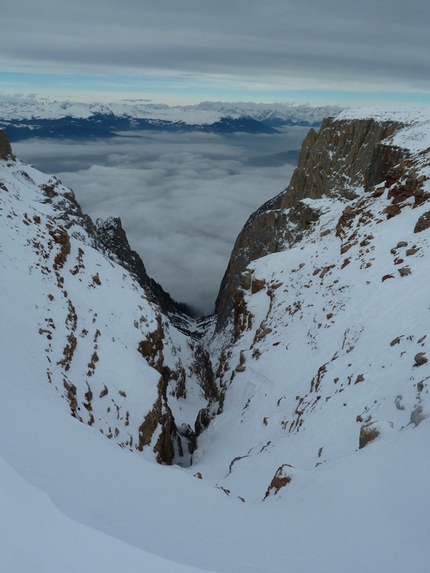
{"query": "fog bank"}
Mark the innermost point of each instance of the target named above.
(182, 198)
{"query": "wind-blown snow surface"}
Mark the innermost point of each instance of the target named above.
(38, 538)
(325, 347)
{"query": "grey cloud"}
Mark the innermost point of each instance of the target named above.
(182, 198)
(339, 39)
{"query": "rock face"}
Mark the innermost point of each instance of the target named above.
(111, 238)
(423, 223)
(344, 162)
(332, 324)
(5, 146)
(120, 353)
(344, 154)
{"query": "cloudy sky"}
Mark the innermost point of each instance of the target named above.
(186, 51)
(182, 198)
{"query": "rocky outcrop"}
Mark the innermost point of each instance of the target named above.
(112, 239)
(109, 237)
(5, 146)
(59, 245)
(343, 155)
(173, 445)
(383, 158)
(368, 433)
(423, 223)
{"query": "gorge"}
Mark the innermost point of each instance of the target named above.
(294, 399)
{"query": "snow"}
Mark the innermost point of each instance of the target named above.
(405, 114)
(37, 537)
(416, 137)
(361, 510)
(13, 108)
(330, 347)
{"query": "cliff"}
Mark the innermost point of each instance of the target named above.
(5, 147)
(100, 323)
(326, 349)
(286, 421)
(343, 155)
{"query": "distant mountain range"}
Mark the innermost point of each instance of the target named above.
(26, 118)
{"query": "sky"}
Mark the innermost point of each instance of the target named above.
(185, 51)
(182, 198)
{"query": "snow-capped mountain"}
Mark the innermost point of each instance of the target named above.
(299, 414)
(28, 117)
(273, 114)
(203, 113)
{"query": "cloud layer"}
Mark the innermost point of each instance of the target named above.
(377, 44)
(182, 198)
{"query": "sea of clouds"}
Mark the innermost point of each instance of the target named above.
(182, 198)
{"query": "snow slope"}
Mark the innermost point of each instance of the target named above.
(330, 330)
(92, 325)
(37, 537)
(329, 352)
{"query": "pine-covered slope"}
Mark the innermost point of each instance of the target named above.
(316, 404)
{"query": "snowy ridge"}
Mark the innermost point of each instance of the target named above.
(406, 113)
(336, 326)
(92, 352)
(415, 138)
(318, 457)
(25, 108)
(328, 346)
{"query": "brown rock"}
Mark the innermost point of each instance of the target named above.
(420, 359)
(423, 223)
(345, 248)
(392, 210)
(368, 433)
(5, 146)
(410, 252)
(280, 480)
(257, 285)
(379, 191)
(331, 162)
